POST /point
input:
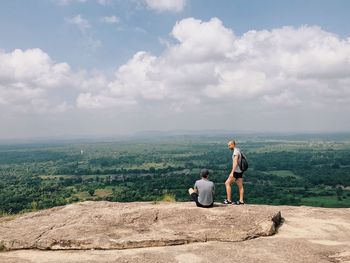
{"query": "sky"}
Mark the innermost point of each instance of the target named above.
(116, 67)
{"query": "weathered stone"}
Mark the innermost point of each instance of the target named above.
(109, 225)
(307, 234)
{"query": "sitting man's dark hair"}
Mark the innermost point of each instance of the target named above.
(204, 173)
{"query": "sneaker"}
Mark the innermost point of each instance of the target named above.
(227, 202)
(239, 203)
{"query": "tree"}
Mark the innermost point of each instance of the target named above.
(339, 191)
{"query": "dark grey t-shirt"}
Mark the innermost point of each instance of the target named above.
(206, 190)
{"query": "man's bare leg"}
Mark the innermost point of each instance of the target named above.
(239, 183)
(228, 183)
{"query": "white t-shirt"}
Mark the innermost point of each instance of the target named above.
(237, 151)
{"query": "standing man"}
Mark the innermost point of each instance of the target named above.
(236, 175)
(203, 190)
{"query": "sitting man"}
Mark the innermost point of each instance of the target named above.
(203, 191)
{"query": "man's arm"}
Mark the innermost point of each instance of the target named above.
(195, 189)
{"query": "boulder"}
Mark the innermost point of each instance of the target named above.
(104, 232)
(112, 225)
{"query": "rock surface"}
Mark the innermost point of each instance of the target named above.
(108, 225)
(220, 234)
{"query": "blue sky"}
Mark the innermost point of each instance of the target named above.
(138, 63)
(41, 23)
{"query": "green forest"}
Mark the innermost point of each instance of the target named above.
(295, 170)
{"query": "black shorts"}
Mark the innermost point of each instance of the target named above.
(237, 175)
(195, 198)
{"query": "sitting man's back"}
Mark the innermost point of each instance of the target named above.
(203, 191)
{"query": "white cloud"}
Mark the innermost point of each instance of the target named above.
(166, 5)
(105, 2)
(89, 39)
(67, 2)
(287, 66)
(80, 22)
(87, 101)
(205, 69)
(201, 41)
(122, 91)
(29, 79)
(157, 5)
(110, 19)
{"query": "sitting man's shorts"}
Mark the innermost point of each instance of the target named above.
(195, 198)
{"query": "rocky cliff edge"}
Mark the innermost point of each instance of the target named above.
(176, 232)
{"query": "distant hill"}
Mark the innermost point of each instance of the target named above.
(179, 134)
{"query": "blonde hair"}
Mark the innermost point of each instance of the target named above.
(233, 142)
